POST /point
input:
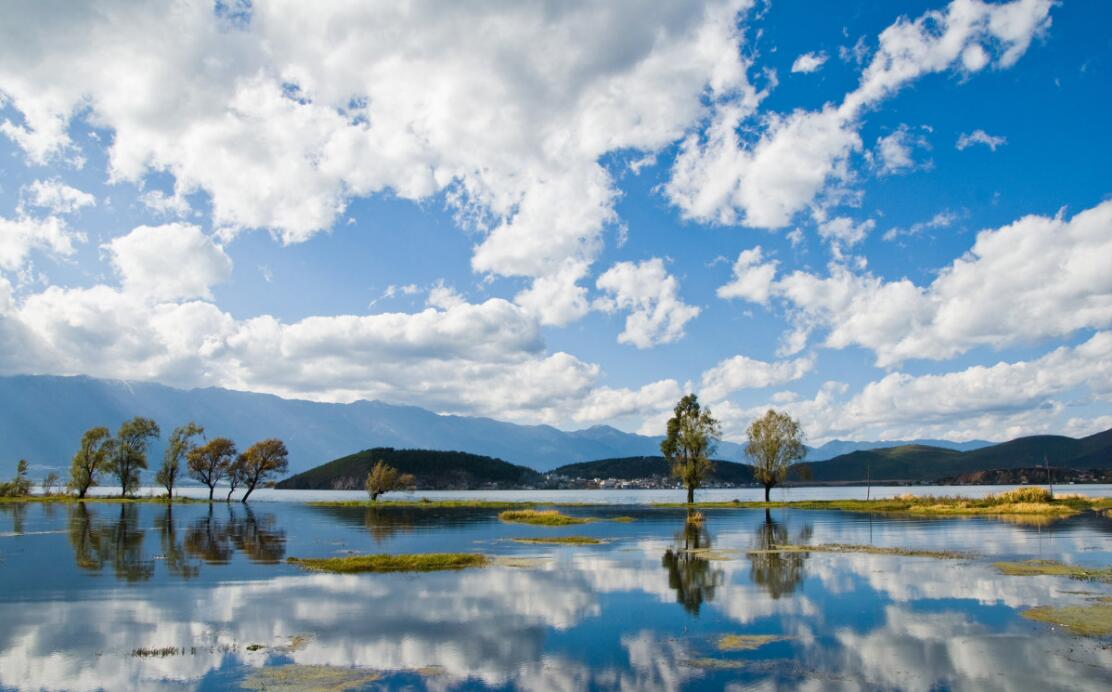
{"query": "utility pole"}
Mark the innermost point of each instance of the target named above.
(868, 482)
(1049, 481)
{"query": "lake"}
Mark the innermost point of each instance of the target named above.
(141, 596)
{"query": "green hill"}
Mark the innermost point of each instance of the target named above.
(433, 470)
(924, 463)
(631, 468)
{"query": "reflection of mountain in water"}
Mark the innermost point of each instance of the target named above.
(690, 573)
(117, 540)
(779, 573)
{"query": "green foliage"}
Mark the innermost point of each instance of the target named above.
(775, 443)
(51, 483)
(129, 453)
(692, 436)
(419, 562)
(181, 442)
(20, 486)
(90, 460)
(431, 469)
(384, 478)
(210, 462)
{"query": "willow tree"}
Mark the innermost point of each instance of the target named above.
(775, 443)
(181, 442)
(262, 460)
(211, 462)
(691, 439)
(129, 453)
(384, 478)
(90, 460)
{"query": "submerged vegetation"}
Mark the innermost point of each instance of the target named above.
(1087, 620)
(561, 540)
(871, 549)
(309, 677)
(417, 562)
(549, 517)
(746, 642)
(1052, 568)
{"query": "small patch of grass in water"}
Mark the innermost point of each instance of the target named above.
(519, 562)
(561, 540)
(423, 503)
(746, 642)
(549, 517)
(871, 549)
(162, 652)
(417, 562)
(1091, 620)
(304, 677)
(709, 663)
(623, 520)
(1052, 568)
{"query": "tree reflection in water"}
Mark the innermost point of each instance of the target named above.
(17, 510)
(118, 543)
(690, 573)
(212, 539)
(779, 573)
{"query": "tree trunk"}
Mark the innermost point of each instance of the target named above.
(211, 489)
(690, 495)
(768, 489)
(250, 489)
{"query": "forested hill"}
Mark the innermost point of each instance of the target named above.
(432, 470)
(632, 468)
(925, 463)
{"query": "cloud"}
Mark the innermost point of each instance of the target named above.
(21, 236)
(943, 219)
(165, 205)
(650, 294)
(844, 231)
(809, 62)
(967, 140)
(741, 372)
(56, 196)
(1036, 278)
(764, 181)
(895, 153)
(752, 277)
(169, 262)
(998, 401)
(606, 403)
(287, 112)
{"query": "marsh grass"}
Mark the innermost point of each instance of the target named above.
(114, 499)
(871, 549)
(294, 676)
(1052, 568)
(416, 562)
(709, 663)
(623, 520)
(1027, 501)
(1089, 620)
(424, 503)
(561, 540)
(745, 642)
(548, 517)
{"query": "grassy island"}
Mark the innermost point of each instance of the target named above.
(550, 517)
(416, 562)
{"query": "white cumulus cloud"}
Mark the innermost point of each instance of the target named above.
(650, 295)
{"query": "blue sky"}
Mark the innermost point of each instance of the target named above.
(892, 222)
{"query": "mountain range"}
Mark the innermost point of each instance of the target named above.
(42, 418)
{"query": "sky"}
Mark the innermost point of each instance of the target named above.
(892, 220)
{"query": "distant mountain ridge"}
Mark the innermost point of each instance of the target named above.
(432, 470)
(42, 418)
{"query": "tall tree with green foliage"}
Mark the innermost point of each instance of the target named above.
(691, 439)
(181, 441)
(262, 460)
(129, 454)
(384, 478)
(775, 443)
(91, 459)
(211, 461)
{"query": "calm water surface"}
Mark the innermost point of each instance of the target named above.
(83, 587)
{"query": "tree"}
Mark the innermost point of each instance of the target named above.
(210, 462)
(692, 437)
(181, 441)
(129, 454)
(775, 443)
(384, 478)
(18, 486)
(235, 476)
(91, 459)
(262, 460)
(50, 483)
